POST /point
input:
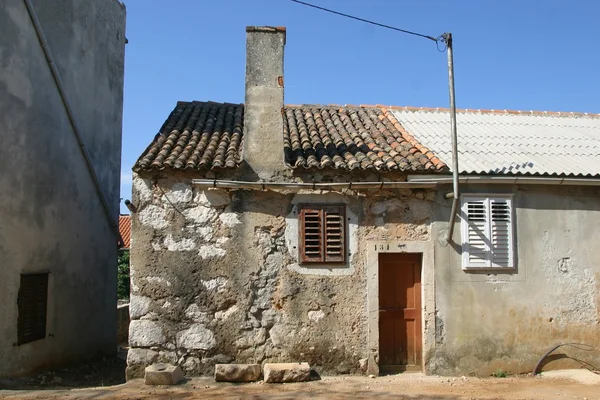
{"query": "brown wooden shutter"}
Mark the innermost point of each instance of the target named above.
(32, 302)
(322, 232)
(335, 234)
(311, 235)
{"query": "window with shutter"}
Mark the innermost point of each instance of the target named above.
(32, 303)
(322, 233)
(487, 232)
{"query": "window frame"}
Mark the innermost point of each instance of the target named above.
(25, 311)
(488, 198)
(322, 209)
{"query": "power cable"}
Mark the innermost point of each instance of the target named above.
(438, 39)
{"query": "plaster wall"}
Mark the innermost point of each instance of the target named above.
(215, 276)
(508, 320)
(50, 216)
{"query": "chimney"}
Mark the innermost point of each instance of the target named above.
(263, 122)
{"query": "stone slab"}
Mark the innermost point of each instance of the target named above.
(163, 374)
(286, 372)
(237, 372)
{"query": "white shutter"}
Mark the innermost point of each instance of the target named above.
(475, 232)
(501, 235)
(487, 232)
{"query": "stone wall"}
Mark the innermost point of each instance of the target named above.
(215, 276)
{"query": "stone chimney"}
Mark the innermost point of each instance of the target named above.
(263, 122)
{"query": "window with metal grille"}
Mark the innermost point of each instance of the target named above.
(32, 301)
(322, 233)
(487, 232)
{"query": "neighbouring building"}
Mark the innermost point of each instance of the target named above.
(125, 231)
(59, 186)
(267, 232)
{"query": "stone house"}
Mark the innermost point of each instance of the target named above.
(266, 232)
(61, 105)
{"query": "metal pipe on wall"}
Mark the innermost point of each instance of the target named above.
(455, 193)
(225, 184)
(507, 180)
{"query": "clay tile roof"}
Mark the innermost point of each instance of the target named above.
(125, 229)
(205, 135)
(352, 137)
(196, 135)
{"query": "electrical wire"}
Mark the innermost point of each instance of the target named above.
(579, 346)
(169, 200)
(370, 22)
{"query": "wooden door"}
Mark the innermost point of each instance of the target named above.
(400, 336)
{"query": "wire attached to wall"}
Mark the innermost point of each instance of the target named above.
(169, 200)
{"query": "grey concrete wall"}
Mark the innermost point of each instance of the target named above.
(51, 217)
(508, 320)
(215, 276)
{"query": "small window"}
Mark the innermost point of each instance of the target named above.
(322, 234)
(487, 232)
(33, 299)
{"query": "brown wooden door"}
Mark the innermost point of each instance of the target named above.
(400, 337)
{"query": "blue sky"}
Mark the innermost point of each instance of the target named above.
(509, 54)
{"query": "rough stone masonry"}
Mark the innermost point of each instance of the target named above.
(215, 277)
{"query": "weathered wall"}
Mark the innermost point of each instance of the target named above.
(215, 276)
(50, 216)
(508, 320)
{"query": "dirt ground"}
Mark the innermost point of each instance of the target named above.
(402, 386)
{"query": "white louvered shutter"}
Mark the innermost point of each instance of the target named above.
(487, 232)
(501, 234)
(475, 232)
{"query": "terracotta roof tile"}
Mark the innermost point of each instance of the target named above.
(351, 137)
(125, 230)
(197, 135)
(204, 135)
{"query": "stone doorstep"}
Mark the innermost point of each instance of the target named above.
(237, 372)
(163, 374)
(286, 372)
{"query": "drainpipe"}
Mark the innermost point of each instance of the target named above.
(62, 92)
(455, 193)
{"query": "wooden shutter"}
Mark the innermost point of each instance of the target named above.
(311, 235)
(501, 234)
(487, 232)
(335, 234)
(322, 232)
(32, 302)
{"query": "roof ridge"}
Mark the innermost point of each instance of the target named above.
(445, 109)
(413, 108)
(225, 103)
(493, 111)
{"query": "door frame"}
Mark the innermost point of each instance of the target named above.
(426, 249)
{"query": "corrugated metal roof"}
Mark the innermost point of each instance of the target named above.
(496, 142)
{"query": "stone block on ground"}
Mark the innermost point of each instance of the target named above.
(163, 374)
(286, 372)
(237, 372)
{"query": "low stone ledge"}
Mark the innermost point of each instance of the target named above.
(286, 372)
(237, 372)
(163, 374)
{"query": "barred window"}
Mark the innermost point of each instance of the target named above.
(33, 304)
